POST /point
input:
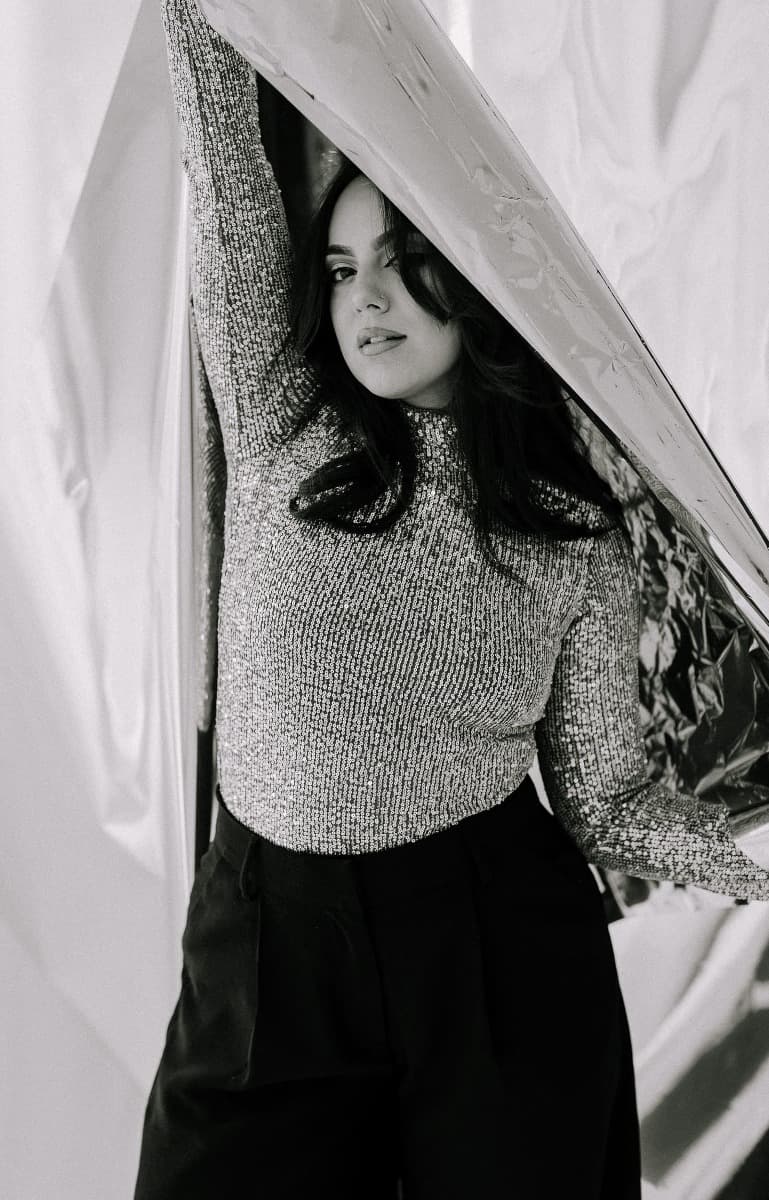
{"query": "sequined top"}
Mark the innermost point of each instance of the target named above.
(372, 690)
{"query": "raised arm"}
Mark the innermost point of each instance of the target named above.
(592, 757)
(241, 259)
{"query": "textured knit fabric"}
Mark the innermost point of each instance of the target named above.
(373, 690)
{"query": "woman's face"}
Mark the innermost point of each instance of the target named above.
(367, 298)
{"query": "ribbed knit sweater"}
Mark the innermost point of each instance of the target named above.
(373, 690)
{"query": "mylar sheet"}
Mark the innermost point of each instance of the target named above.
(97, 626)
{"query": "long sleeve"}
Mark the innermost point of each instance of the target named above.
(211, 467)
(592, 757)
(241, 262)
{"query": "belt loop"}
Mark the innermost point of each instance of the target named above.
(248, 881)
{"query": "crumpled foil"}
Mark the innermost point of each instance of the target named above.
(703, 675)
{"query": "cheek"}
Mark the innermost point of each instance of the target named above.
(447, 348)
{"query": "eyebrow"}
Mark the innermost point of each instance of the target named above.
(377, 244)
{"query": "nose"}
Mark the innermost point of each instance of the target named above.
(366, 293)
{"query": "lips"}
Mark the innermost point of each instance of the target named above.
(375, 335)
(371, 348)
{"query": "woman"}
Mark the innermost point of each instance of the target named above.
(397, 975)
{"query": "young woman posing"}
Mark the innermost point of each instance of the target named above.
(397, 974)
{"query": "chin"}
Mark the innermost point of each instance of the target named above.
(384, 393)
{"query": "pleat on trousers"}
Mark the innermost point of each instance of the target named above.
(440, 1020)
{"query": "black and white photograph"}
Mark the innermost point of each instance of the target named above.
(385, 605)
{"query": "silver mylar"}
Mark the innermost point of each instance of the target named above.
(748, 825)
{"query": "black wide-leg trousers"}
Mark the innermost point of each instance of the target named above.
(440, 1020)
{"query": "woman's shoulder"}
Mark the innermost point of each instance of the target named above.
(561, 501)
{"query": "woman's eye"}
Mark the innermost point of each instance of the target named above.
(333, 272)
(342, 271)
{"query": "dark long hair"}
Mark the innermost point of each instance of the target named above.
(509, 407)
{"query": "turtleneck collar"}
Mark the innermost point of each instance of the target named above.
(435, 436)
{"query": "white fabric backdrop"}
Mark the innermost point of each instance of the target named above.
(642, 132)
(98, 740)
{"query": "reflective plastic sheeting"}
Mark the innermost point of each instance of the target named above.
(649, 122)
(97, 615)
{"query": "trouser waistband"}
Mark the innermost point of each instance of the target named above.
(397, 871)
